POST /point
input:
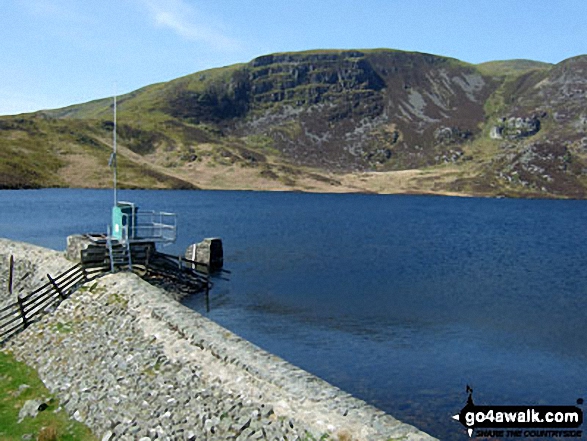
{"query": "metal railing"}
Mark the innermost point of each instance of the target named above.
(150, 226)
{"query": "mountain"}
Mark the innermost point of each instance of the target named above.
(350, 120)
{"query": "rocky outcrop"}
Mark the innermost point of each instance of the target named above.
(132, 364)
(334, 109)
(542, 168)
(311, 78)
(362, 102)
(515, 128)
(451, 135)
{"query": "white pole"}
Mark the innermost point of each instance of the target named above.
(114, 151)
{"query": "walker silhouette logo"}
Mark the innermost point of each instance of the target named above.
(520, 421)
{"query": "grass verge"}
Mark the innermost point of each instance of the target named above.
(53, 423)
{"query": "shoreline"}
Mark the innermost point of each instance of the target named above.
(130, 362)
(448, 194)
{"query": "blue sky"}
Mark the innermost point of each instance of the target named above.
(59, 52)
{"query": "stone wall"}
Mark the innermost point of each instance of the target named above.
(133, 364)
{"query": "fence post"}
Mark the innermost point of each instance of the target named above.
(147, 258)
(22, 314)
(84, 272)
(61, 294)
(11, 265)
(208, 287)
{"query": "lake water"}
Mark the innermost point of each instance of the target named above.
(400, 300)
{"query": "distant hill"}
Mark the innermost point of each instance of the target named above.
(350, 120)
(511, 67)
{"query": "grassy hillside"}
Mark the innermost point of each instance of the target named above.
(370, 120)
(511, 67)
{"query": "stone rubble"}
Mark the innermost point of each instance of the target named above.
(132, 364)
(30, 409)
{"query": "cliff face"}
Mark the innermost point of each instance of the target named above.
(515, 127)
(347, 110)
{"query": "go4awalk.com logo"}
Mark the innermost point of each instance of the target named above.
(521, 421)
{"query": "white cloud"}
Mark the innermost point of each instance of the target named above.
(189, 23)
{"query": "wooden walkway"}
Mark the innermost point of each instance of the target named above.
(187, 276)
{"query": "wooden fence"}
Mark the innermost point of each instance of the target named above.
(186, 275)
(17, 316)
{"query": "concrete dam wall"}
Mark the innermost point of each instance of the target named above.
(133, 364)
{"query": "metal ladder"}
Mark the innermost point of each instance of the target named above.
(119, 253)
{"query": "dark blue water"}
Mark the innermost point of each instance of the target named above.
(399, 300)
